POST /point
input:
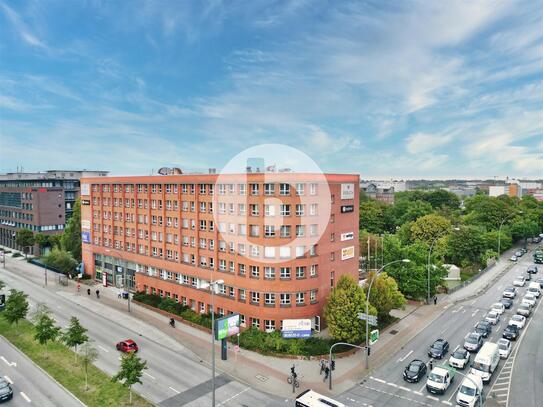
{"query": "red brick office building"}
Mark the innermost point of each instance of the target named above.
(279, 241)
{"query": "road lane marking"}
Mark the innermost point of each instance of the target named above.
(392, 384)
(8, 363)
(405, 357)
(418, 393)
(147, 374)
(422, 388)
(458, 310)
(432, 398)
(25, 397)
(233, 397)
(378, 380)
(104, 349)
(404, 388)
(475, 312)
(8, 379)
(177, 391)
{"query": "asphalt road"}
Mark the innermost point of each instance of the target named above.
(386, 387)
(175, 376)
(31, 386)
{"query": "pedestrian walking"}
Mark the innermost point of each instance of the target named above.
(120, 294)
(435, 299)
(88, 291)
(326, 373)
(322, 365)
(97, 293)
(78, 287)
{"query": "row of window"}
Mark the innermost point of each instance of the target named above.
(16, 215)
(209, 189)
(34, 228)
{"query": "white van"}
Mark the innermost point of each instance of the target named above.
(534, 288)
(486, 361)
(470, 392)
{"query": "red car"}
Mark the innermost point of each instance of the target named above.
(127, 345)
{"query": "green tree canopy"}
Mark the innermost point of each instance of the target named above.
(466, 245)
(61, 260)
(429, 227)
(16, 307)
(44, 325)
(75, 335)
(385, 295)
(341, 310)
(131, 371)
(25, 238)
(71, 238)
(439, 198)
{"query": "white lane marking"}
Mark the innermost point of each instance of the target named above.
(177, 391)
(475, 312)
(104, 349)
(404, 388)
(8, 363)
(458, 309)
(405, 357)
(234, 396)
(147, 374)
(8, 379)
(432, 398)
(422, 388)
(378, 380)
(25, 397)
(444, 329)
(446, 402)
(418, 393)
(392, 384)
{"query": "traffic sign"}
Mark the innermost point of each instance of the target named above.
(372, 319)
(374, 336)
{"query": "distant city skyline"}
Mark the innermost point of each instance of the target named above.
(407, 90)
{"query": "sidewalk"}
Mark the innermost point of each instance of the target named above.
(264, 373)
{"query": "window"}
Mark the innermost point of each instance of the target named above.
(269, 299)
(284, 210)
(332, 237)
(285, 231)
(255, 271)
(313, 189)
(300, 230)
(242, 209)
(254, 230)
(313, 209)
(242, 189)
(269, 325)
(203, 206)
(269, 272)
(241, 269)
(269, 231)
(222, 265)
(300, 298)
(202, 189)
(284, 189)
(285, 299)
(254, 210)
(242, 319)
(231, 189)
(269, 189)
(313, 296)
(300, 210)
(332, 276)
(300, 272)
(285, 272)
(241, 248)
(222, 189)
(255, 322)
(284, 252)
(269, 210)
(255, 297)
(313, 229)
(241, 293)
(255, 251)
(332, 218)
(332, 256)
(255, 189)
(269, 252)
(300, 188)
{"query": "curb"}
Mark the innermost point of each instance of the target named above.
(42, 370)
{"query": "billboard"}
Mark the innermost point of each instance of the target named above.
(226, 326)
(347, 208)
(296, 328)
(85, 237)
(347, 191)
(347, 236)
(347, 253)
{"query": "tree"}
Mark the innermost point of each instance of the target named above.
(439, 198)
(88, 354)
(42, 240)
(54, 241)
(344, 303)
(413, 210)
(465, 245)
(46, 331)
(25, 238)
(75, 335)
(16, 307)
(429, 227)
(71, 238)
(372, 217)
(487, 212)
(130, 372)
(62, 261)
(385, 295)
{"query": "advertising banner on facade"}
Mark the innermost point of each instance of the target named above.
(296, 328)
(347, 191)
(85, 224)
(85, 237)
(347, 253)
(226, 326)
(347, 208)
(347, 236)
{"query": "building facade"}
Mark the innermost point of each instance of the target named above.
(278, 242)
(383, 193)
(40, 210)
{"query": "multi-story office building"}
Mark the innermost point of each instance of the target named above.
(278, 241)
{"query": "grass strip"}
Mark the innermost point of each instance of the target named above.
(59, 362)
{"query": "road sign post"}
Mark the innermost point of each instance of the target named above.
(374, 336)
(372, 319)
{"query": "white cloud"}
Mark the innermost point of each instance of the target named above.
(21, 28)
(422, 142)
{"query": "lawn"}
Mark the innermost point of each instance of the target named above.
(59, 363)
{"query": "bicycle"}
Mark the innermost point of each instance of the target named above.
(293, 379)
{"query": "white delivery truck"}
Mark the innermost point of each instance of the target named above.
(470, 392)
(486, 361)
(440, 378)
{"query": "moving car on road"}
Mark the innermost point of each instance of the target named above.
(533, 289)
(529, 299)
(506, 302)
(473, 342)
(439, 379)
(459, 358)
(438, 349)
(511, 332)
(483, 328)
(519, 281)
(518, 320)
(486, 361)
(127, 345)
(513, 257)
(470, 391)
(540, 281)
(504, 347)
(498, 307)
(519, 253)
(531, 270)
(509, 292)
(414, 371)
(6, 392)
(492, 317)
(524, 309)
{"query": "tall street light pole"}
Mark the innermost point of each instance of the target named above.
(500, 229)
(124, 274)
(367, 306)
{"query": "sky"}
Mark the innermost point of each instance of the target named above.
(391, 89)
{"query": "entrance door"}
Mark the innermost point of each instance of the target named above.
(317, 324)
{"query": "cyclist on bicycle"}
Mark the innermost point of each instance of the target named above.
(293, 373)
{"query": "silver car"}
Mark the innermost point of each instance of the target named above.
(492, 317)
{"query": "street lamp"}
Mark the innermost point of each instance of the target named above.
(212, 286)
(125, 285)
(428, 264)
(368, 302)
(500, 229)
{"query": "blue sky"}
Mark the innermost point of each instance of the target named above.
(385, 89)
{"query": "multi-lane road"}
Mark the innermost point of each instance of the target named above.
(386, 387)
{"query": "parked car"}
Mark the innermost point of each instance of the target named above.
(509, 292)
(414, 371)
(504, 346)
(519, 281)
(6, 392)
(536, 239)
(523, 250)
(127, 345)
(513, 258)
(529, 299)
(473, 342)
(531, 270)
(498, 308)
(493, 317)
(511, 332)
(519, 253)
(540, 281)
(528, 277)
(507, 302)
(518, 320)
(438, 349)
(459, 358)
(524, 309)
(483, 328)
(534, 290)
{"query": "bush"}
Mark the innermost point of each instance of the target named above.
(16, 254)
